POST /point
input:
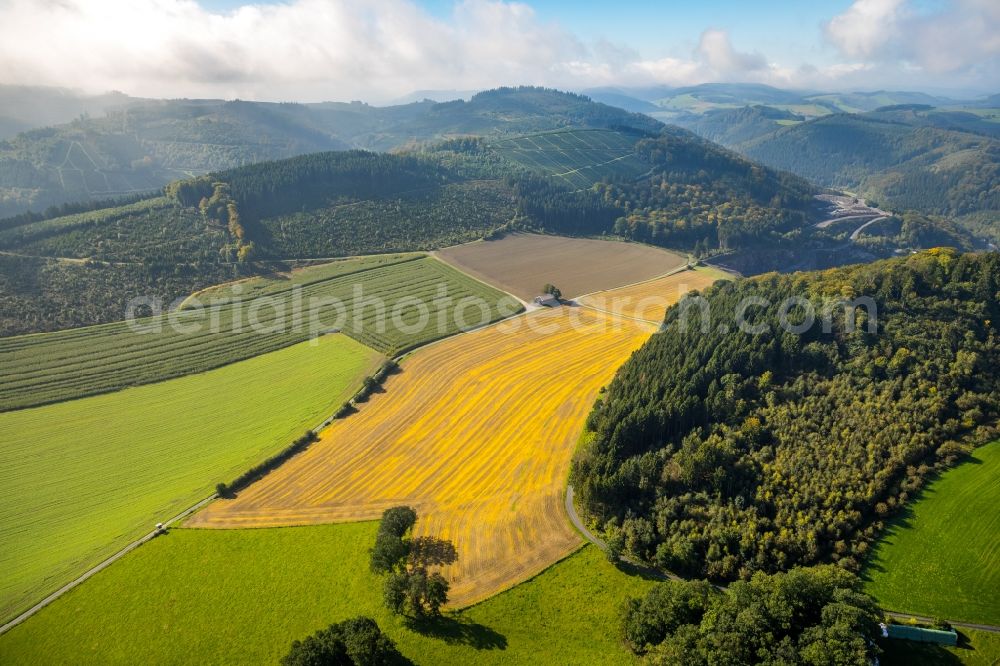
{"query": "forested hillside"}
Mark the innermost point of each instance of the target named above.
(704, 197)
(659, 185)
(922, 115)
(732, 127)
(717, 452)
(27, 107)
(84, 268)
(688, 105)
(140, 145)
(900, 165)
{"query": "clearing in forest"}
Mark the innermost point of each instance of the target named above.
(578, 158)
(476, 433)
(523, 263)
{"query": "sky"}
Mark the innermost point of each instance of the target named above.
(380, 50)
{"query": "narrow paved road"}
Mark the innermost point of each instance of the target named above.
(857, 232)
(630, 563)
(661, 575)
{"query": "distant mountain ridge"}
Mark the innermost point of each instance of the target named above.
(24, 108)
(634, 178)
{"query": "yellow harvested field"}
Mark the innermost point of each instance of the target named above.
(649, 300)
(522, 264)
(476, 433)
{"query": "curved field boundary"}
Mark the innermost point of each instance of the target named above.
(666, 575)
(476, 433)
(942, 555)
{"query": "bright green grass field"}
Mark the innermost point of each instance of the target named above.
(943, 557)
(242, 597)
(80, 479)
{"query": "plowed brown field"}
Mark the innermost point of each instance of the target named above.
(476, 433)
(524, 263)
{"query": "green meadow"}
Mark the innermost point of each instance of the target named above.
(942, 556)
(80, 479)
(250, 318)
(242, 596)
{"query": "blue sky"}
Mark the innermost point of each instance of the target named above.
(784, 28)
(378, 50)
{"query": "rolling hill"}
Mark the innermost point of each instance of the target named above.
(685, 105)
(140, 145)
(733, 127)
(24, 108)
(904, 165)
(646, 182)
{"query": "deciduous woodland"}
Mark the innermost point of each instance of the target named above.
(326, 314)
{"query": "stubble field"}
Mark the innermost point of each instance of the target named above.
(649, 300)
(476, 433)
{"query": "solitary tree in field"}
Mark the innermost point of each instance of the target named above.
(410, 588)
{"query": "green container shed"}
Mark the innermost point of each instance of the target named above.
(921, 635)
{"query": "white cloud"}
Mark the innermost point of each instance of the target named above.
(309, 49)
(865, 27)
(957, 37)
(716, 50)
(379, 49)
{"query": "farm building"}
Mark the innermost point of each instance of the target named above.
(547, 300)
